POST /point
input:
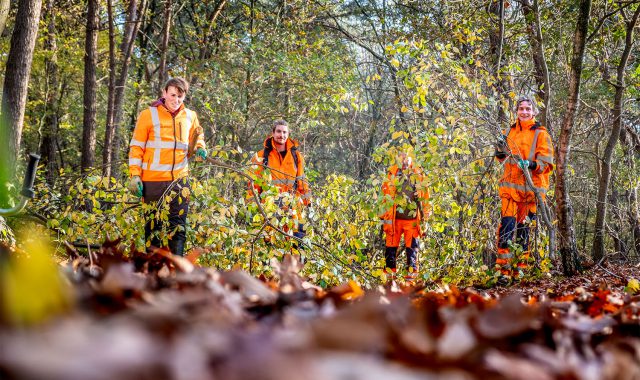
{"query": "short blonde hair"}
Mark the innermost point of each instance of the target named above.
(531, 100)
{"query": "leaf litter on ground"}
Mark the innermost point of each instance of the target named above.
(157, 316)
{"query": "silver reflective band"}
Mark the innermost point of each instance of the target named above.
(135, 162)
(141, 144)
(521, 187)
(387, 222)
(534, 145)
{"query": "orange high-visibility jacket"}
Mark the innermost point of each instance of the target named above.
(389, 188)
(160, 141)
(283, 172)
(529, 141)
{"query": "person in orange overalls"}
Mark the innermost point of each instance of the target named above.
(286, 171)
(525, 146)
(407, 196)
(158, 160)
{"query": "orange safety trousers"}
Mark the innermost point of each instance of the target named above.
(514, 224)
(407, 227)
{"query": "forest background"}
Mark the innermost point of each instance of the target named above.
(357, 80)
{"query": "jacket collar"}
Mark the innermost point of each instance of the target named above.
(159, 103)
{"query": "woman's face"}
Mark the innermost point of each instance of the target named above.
(525, 111)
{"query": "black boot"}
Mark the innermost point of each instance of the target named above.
(176, 245)
(390, 257)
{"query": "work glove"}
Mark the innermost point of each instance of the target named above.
(526, 164)
(201, 154)
(135, 186)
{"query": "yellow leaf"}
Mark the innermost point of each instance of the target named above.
(633, 286)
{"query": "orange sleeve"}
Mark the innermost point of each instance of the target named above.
(138, 143)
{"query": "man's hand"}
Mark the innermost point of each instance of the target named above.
(201, 154)
(526, 164)
(135, 186)
(501, 144)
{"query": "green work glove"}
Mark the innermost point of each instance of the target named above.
(526, 164)
(201, 154)
(135, 186)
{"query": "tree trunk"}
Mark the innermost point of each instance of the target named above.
(126, 47)
(166, 30)
(531, 13)
(16, 75)
(90, 86)
(112, 143)
(564, 209)
(626, 140)
(49, 126)
(496, 43)
(605, 177)
(109, 127)
(5, 6)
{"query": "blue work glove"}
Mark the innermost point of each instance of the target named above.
(135, 186)
(201, 154)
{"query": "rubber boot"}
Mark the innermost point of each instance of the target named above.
(176, 246)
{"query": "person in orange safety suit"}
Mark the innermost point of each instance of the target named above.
(282, 157)
(525, 146)
(165, 136)
(406, 198)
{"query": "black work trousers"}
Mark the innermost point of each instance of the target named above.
(159, 193)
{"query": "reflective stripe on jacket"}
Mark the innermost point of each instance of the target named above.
(389, 189)
(529, 141)
(160, 141)
(284, 174)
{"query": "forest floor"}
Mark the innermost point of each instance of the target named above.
(159, 317)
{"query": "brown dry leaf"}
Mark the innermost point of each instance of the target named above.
(254, 291)
(120, 277)
(509, 317)
(513, 367)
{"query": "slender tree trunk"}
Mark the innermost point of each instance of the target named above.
(109, 128)
(532, 16)
(564, 210)
(5, 6)
(49, 126)
(605, 177)
(112, 143)
(17, 71)
(88, 148)
(133, 25)
(496, 43)
(626, 140)
(166, 30)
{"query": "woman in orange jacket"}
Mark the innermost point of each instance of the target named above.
(158, 157)
(407, 198)
(526, 146)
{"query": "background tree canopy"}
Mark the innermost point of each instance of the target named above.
(356, 80)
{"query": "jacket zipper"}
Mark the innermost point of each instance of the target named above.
(175, 145)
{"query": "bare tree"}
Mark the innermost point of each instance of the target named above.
(90, 86)
(112, 147)
(531, 13)
(18, 69)
(567, 236)
(605, 172)
(166, 31)
(49, 123)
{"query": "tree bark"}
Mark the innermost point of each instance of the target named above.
(496, 43)
(531, 13)
(88, 148)
(166, 30)
(16, 76)
(598, 251)
(564, 210)
(109, 127)
(112, 143)
(49, 126)
(5, 6)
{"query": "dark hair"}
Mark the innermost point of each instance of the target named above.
(179, 83)
(279, 122)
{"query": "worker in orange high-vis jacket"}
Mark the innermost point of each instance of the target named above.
(167, 135)
(282, 157)
(526, 146)
(406, 200)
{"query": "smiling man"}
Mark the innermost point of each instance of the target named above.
(286, 164)
(164, 135)
(526, 146)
